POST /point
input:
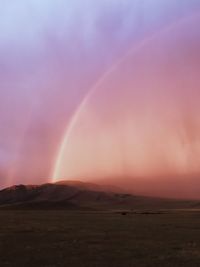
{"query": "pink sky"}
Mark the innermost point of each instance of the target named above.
(101, 89)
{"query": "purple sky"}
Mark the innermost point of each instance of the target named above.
(51, 54)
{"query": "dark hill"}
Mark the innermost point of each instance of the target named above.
(79, 195)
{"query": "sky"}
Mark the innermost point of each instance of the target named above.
(101, 90)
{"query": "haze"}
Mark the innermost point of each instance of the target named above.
(105, 90)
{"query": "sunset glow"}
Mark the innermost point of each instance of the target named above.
(140, 119)
(104, 92)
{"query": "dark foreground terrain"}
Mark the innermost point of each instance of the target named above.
(89, 239)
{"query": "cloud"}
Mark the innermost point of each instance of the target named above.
(53, 52)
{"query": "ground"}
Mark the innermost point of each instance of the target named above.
(99, 239)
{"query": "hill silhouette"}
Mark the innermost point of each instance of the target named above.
(79, 195)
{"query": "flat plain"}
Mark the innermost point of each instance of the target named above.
(99, 239)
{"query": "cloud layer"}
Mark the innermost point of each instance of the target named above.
(52, 53)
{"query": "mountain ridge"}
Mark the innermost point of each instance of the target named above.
(81, 195)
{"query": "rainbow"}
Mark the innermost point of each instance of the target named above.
(66, 138)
